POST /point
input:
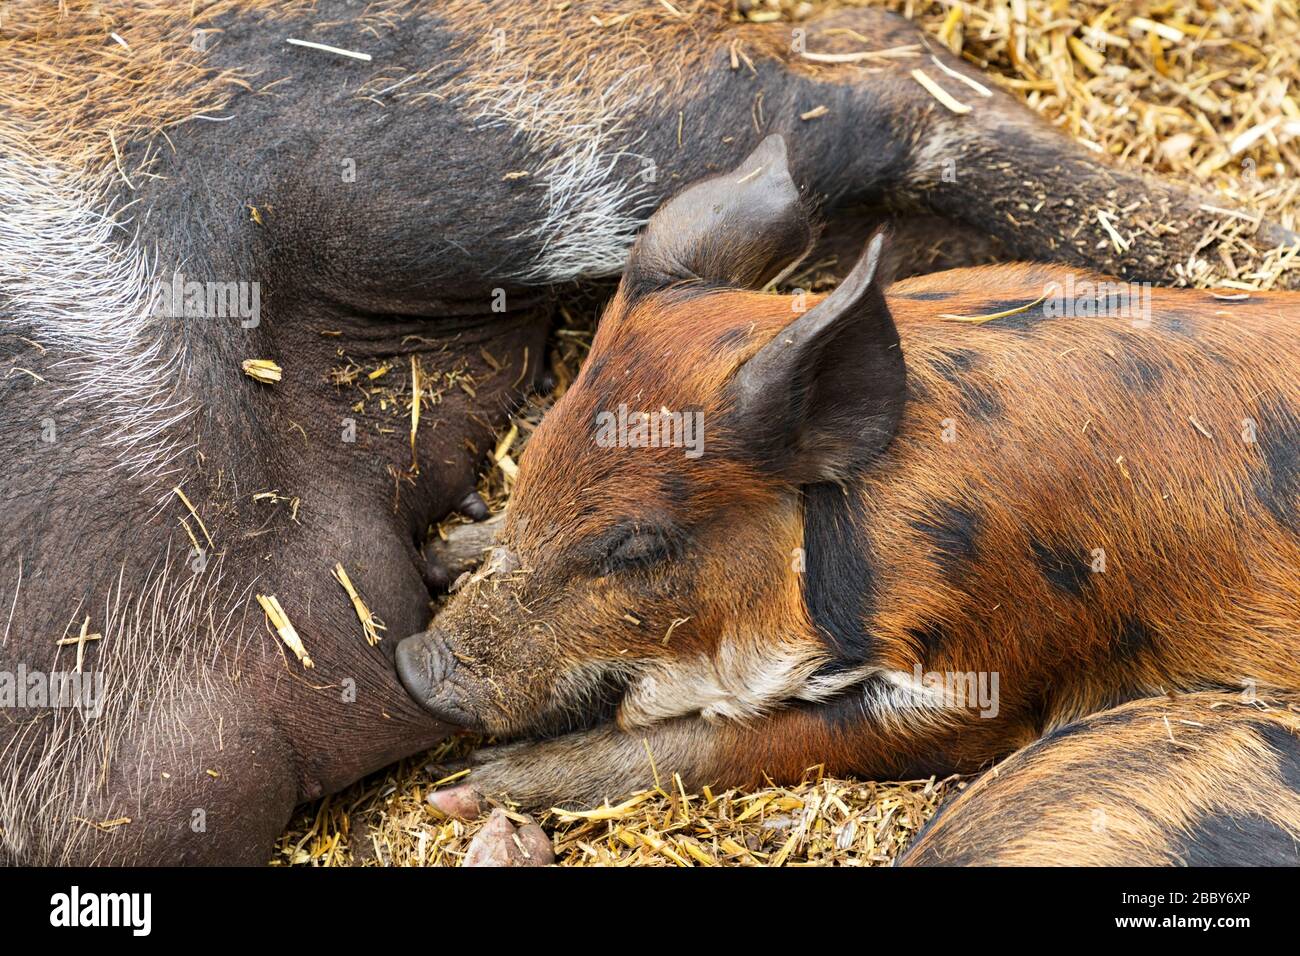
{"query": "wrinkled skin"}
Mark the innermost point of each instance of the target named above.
(432, 251)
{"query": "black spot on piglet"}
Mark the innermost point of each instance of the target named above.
(925, 296)
(1276, 482)
(951, 531)
(838, 583)
(930, 639)
(1065, 570)
(1132, 640)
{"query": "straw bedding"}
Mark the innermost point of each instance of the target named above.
(1203, 91)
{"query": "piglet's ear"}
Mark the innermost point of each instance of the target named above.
(824, 396)
(739, 229)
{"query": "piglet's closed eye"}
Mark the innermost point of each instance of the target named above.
(824, 396)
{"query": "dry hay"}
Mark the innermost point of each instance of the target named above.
(1191, 90)
(386, 822)
(1201, 92)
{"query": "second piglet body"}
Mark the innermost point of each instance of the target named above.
(915, 537)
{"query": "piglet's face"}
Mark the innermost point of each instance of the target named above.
(649, 563)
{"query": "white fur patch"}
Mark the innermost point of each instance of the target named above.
(594, 204)
(742, 681)
(72, 280)
(900, 690)
(746, 680)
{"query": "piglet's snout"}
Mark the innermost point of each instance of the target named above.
(425, 666)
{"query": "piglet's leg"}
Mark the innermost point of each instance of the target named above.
(466, 544)
(582, 770)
